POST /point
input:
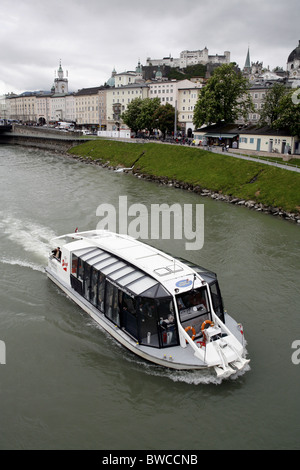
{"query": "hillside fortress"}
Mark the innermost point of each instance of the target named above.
(188, 58)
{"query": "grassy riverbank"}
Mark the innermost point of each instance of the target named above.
(221, 173)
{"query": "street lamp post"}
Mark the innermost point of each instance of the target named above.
(175, 121)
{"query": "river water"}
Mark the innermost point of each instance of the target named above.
(65, 384)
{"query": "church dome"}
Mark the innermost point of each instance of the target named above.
(111, 81)
(295, 54)
(158, 74)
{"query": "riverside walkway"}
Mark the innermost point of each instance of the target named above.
(261, 158)
(45, 137)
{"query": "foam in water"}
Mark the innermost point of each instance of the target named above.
(198, 377)
(193, 377)
(22, 263)
(34, 239)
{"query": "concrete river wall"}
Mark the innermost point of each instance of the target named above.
(41, 137)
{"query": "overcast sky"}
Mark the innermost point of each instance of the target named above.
(91, 37)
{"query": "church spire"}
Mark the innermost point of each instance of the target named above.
(60, 70)
(247, 63)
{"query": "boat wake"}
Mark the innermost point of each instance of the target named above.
(22, 263)
(193, 377)
(199, 377)
(28, 243)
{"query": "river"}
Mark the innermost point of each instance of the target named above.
(65, 384)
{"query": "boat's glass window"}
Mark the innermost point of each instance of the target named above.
(157, 322)
(193, 308)
(89, 254)
(76, 285)
(82, 251)
(116, 275)
(126, 280)
(148, 322)
(74, 265)
(87, 281)
(113, 267)
(95, 258)
(151, 293)
(112, 303)
(101, 291)
(167, 322)
(217, 300)
(105, 262)
(129, 315)
(99, 258)
(142, 285)
(199, 269)
(161, 292)
(94, 286)
(80, 269)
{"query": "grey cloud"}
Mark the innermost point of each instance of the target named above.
(93, 37)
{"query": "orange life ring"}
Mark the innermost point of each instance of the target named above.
(206, 322)
(188, 328)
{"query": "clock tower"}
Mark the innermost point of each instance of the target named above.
(60, 83)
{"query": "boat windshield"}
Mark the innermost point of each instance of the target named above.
(193, 307)
(217, 299)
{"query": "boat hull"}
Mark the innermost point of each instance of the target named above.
(164, 358)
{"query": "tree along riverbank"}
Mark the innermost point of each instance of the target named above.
(255, 185)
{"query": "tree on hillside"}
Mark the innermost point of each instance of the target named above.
(270, 110)
(197, 70)
(164, 117)
(225, 97)
(289, 113)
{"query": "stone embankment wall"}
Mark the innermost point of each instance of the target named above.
(39, 137)
(259, 207)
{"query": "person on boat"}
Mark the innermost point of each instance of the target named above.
(198, 299)
(57, 253)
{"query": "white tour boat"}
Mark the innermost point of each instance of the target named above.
(164, 309)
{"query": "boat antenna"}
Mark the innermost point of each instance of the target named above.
(194, 281)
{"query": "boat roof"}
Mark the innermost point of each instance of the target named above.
(173, 273)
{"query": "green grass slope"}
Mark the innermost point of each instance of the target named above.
(217, 172)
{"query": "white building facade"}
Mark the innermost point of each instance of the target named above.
(186, 102)
(117, 101)
(191, 58)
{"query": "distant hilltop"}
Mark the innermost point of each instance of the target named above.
(188, 58)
